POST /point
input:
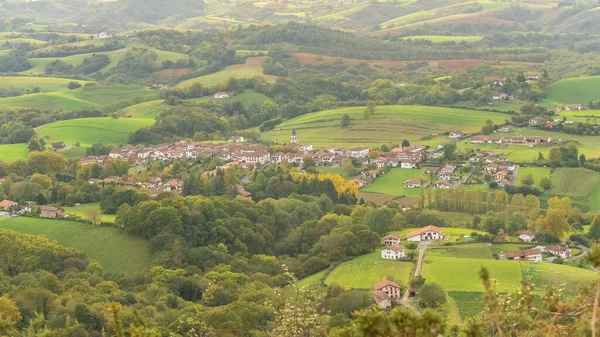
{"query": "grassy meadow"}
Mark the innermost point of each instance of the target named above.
(89, 131)
(247, 98)
(366, 270)
(221, 77)
(440, 38)
(116, 250)
(581, 185)
(79, 210)
(389, 125)
(537, 173)
(11, 152)
(46, 84)
(150, 109)
(578, 90)
(392, 182)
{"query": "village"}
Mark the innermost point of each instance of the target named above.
(388, 293)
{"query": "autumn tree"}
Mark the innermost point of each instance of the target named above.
(93, 214)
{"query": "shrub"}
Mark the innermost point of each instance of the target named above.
(432, 295)
(558, 260)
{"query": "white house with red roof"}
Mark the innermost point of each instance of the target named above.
(442, 184)
(385, 292)
(393, 252)
(563, 252)
(391, 239)
(412, 183)
(427, 233)
(221, 94)
(527, 236)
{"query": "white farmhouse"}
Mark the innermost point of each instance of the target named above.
(527, 236)
(393, 252)
(426, 233)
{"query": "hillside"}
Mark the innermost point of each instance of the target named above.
(389, 125)
(579, 90)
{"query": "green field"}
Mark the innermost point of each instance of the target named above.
(510, 247)
(440, 38)
(556, 275)
(461, 274)
(86, 97)
(366, 270)
(150, 109)
(116, 250)
(79, 210)
(445, 231)
(579, 90)
(537, 173)
(389, 125)
(89, 131)
(581, 185)
(392, 182)
(10, 152)
(469, 304)
(221, 77)
(247, 98)
(473, 251)
(46, 84)
(312, 280)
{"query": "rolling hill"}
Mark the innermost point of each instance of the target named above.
(578, 90)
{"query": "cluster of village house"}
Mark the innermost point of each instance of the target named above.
(386, 292)
(12, 207)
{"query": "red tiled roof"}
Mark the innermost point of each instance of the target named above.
(422, 230)
(392, 236)
(381, 284)
(396, 248)
(525, 252)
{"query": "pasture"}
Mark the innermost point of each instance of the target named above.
(469, 304)
(117, 251)
(12, 152)
(392, 182)
(581, 185)
(89, 131)
(462, 274)
(472, 251)
(46, 84)
(150, 109)
(545, 275)
(389, 125)
(253, 67)
(366, 270)
(574, 90)
(537, 173)
(445, 231)
(79, 210)
(247, 98)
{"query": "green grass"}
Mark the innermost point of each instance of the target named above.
(89, 131)
(116, 250)
(469, 304)
(445, 231)
(11, 152)
(389, 125)
(247, 98)
(461, 274)
(107, 94)
(73, 152)
(579, 90)
(221, 77)
(472, 251)
(440, 38)
(392, 182)
(537, 173)
(553, 275)
(366, 270)
(312, 280)
(581, 185)
(150, 109)
(79, 210)
(510, 247)
(46, 84)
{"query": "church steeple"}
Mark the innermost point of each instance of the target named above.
(294, 137)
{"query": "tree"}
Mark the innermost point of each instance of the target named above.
(582, 159)
(545, 183)
(93, 214)
(527, 180)
(9, 316)
(74, 85)
(594, 233)
(35, 144)
(405, 143)
(432, 295)
(345, 121)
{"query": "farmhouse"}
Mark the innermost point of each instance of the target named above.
(506, 128)
(444, 176)
(51, 212)
(456, 134)
(359, 182)
(220, 95)
(412, 183)
(501, 175)
(408, 164)
(442, 184)
(391, 239)
(426, 233)
(573, 107)
(390, 288)
(8, 205)
(58, 145)
(485, 139)
(502, 182)
(236, 139)
(537, 121)
(393, 252)
(102, 35)
(563, 252)
(381, 161)
(442, 145)
(527, 236)
(533, 77)
(533, 255)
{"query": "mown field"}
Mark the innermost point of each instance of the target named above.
(85, 97)
(537, 173)
(46, 84)
(578, 90)
(150, 109)
(392, 182)
(247, 98)
(116, 250)
(79, 210)
(581, 185)
(89, 131)
(11, 152)
(473, 251)
(389, 125)
(366, 270)
(253, 67)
